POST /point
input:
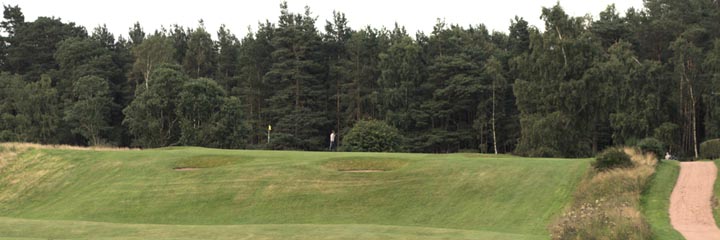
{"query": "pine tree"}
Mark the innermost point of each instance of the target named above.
(297, 106)
(335, 40)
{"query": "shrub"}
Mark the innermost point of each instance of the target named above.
(468, 150)
(668, 133)
(547, 135)
(710, 149)
(544, 152)
(651, 145)
(373, 136)
(483, 147)
(612, 158)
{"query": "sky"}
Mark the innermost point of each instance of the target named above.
(239, 16)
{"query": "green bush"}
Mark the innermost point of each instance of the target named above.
(468, 150)
(483, 148)
(668, 133)
(651, 145)
(544, 152)
(710, 149)
(373, 136)
(612, 158)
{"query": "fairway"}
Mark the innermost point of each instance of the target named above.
(234, 194)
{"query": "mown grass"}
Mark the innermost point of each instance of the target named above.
(66, 193)
(655, 200)
(53, 229)
(209, 161)
(364, 163)
(606, 204)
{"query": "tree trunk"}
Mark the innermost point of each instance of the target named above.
(561, 46)
(493, 122)
(337, 109)
(147, 74)
(693, 116)
(358, 111)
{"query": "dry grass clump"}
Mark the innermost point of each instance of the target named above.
(607, 203)
(10, 150)
(18, 146)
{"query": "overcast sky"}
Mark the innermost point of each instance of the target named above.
(119, 15)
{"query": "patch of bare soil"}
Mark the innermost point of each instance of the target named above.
(690, 202)
(363, 170)
(184, 169)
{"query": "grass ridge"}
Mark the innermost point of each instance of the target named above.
(475, 197)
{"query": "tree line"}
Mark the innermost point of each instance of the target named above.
(573, 89)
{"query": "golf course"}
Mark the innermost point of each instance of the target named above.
(200, 193)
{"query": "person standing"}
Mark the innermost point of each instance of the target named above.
(332, 140)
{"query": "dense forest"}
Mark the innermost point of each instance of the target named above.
(577, 87)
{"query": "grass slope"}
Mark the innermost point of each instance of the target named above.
(716, 190)
(43, 229)
(656, 200)
(279, 195)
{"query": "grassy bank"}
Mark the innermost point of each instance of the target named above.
(607, 204)
(716, 201)
(655, 201)
(67, 193)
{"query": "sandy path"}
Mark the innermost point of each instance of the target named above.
(690, 206)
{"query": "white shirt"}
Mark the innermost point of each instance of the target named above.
(332, 137)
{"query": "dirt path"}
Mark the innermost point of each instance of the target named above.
(690, 206)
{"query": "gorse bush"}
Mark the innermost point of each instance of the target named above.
(710, 149)
(653, 145)
(373, 136)
(612, 158)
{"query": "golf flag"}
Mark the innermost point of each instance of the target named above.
(269, 128)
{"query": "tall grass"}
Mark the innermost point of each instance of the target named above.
(20, 146)
(606, 204)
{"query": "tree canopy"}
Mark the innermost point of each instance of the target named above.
(577, 87)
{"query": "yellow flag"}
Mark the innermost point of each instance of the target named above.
(269, 128)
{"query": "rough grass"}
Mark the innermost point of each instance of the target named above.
(69, 193)
(607, 203)
(655, 201)
(716, 190)
(17, 146)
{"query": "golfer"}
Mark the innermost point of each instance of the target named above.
(332, 140)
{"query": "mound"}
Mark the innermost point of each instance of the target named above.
(505, 196)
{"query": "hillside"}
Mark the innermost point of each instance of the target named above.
(65, 193)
